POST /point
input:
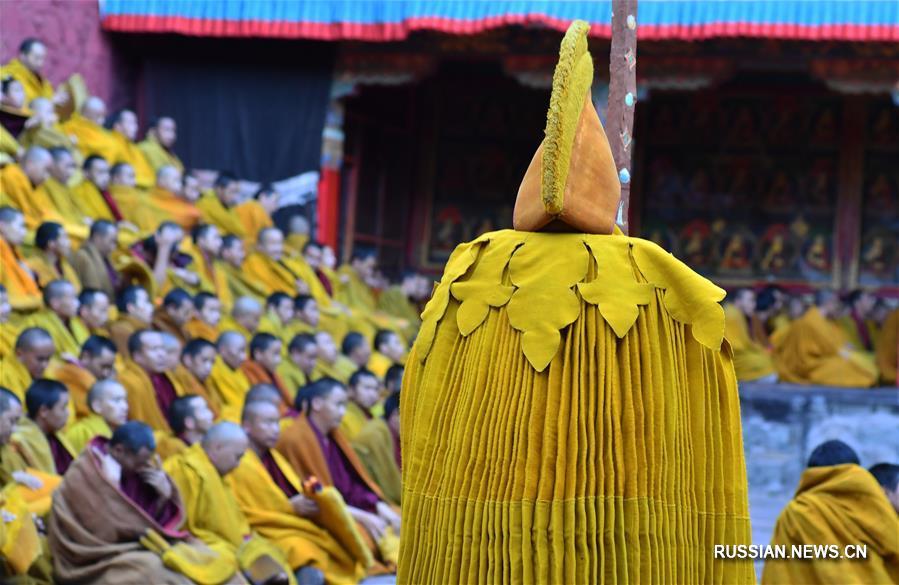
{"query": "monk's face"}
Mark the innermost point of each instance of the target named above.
(211, 312)
(305, 358)
(361, 354)
(201, 414)
(211, 242)
(329, 409)
(313, 256)
(233, 254)
(270, 358)
(329, 258)
(113, 406)
(98, 174)
(190, 189)
(38, 169)
(37, 357)
(263, 427)
(96, 314)
(366, 392)
(271, 243)
(34, 58)
(170, 181)
(182, 313)
(229, 195)
(166, 132)
(66, 305)
(249, 320)
(8, 420)
(152, 355)
(63, 167)
(101, 366)
(309, 313)
(132, 462)
(225, 455)
(327, 349)
(13, 231)
(125, 176)
(234, 351)
(284, 310)
(269, 201)
(200, 365)
(55, 417)
(5, 307)
(14, 96)
(127, 125)
(393, 348)
(141, 308)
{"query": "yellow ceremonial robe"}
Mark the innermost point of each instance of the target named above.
(340, 370)
(815, 351)
(379, 364)
(38, 500)
(32, 444)
(354, 420)
(142, 403)
(269, 513)
(9, 146)
(8, 335)
(77, 380)
(122, 328)
(888, 348)
(66, 205)
(47, 270)
(850, 329)
(159, 156)
(253, 218)
(839, 505)
(174, 208)
(68, 339)
(229, 324)
(240, 284)
(751, 360)
(20, 544)
(273, 275)
(293, 377)
(91, 201)
(21, 286)
(196, 328)
(80, 434)
(128, 152)
(374, 444)
(135, 207)
(17, 191)
(354, 292)
(14, 376)
(91, 137)
(224, 218)
(35, 86)
(229, 386)
(213, 515)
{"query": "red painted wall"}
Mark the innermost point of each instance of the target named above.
(75, 43)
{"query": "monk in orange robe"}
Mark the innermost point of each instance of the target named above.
(19, 187)
(15, 274)
(262, 367)
(197, 359)
(206, 319)
(51, 259)
(172, 316)
(27, 69)
(123, 128)
(166, 198)
(207, 243)
(95, 362)
(256, 214)
(150, 390)
(135, 313)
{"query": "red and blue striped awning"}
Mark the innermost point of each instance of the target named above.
(391, 20)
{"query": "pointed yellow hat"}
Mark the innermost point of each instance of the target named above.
(571, 183)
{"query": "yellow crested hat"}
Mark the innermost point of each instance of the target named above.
(571, 183)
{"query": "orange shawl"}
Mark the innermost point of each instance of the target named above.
(257, 374)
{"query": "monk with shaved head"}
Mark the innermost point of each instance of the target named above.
(228, 382)
(159, 143)
(167, 199)
(108, 403)
(58, 318)
(19, 184)
(15, 275)
(33, 350)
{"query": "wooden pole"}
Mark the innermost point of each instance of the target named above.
(623, 96)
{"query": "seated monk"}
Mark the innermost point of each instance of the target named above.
(19, 186)
(8, 332)
(173, 315)
(14, 115)
(299, 367)
(197, 359)
(857, 323)
(389, 351)
(94, 197)
(93, 311)
(44, 129)
(218, 207)
(752, 360)
(138, 538)
(356, 347)
(93, 261)
(270, 495)
(404, 301)
(246, 314)
(378, 447)
(240, 284)
(58, 318)
(266, 263)
(157, 145)
(160, 252)
(206, 319)
(313, 254)
(51, 259)
(56, 189)
(888, 349)
(32, 354)
(278, 315)
(134, 203)
(135, 313)
(207, 244)
(357, 292)
(150, 389)
(837, 503)
(123, 128)
(815, 350)
(184, 380)
(190, 418)
(256, 214)
(92, 139)
(15, 274)
(166, 198)
(108, 403)
(393, 380)
(95, 362)
(27, 69)
(887, 475)
(38, 437)
(330, 363)
(307, 317)
(262, 367)
(314, 445)
(364, 391)
(213, 515)
(228, 382)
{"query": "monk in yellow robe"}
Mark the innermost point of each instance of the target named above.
(38, 438)
(93, 194)
(188, 381)
(138, 539)
(166, 197)
(190, 418)
(256, 214)
(44, 129)
(123, 129)
(378, 447)
(752, 360)
(402, 300)
(860, 330)
(59, 318)
(32, 354)
(57, 191)
(364, 391)
(158, 143)
(150, 389)
(135, 313)
(555, 353)
(330, 363)
(246, 314)
(15, 274)
(50, 261)
(93, 311)
(132, 202)
(8, 332)
(271, 497)
(96, 362)
(299, 367)
(218, 206)
(108, 402)
(888, 349)
(266, 264)
(87, 128)
(815, 350)
(239, 283)
(355, 291)
(19, 187)
(27, 69)
(279, 315)
(839, 504)
(262, 367)
(207, 316)
(389, 351)
(197, 360)
(227, 381)
(206, 246)
(173, 314)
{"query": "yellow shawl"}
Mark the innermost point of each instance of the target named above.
(128, 152)
(22, 289)
(66, 205)
(17, 191)
(225, 219)
(92, 138)
(229, 387)
(14, 376)
(35, 86)
(79, 434)
(353, 420)
(47, 271)
(158, 156)
(374, 445)
(32, 444)
(751, 359)
(66, 340)
(253, 218)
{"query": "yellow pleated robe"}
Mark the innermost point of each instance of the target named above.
(751, 360)
(569, 409)
(14, 376)
(174, 208)
(838, 505)
(158, 156)
(128, 152)
(20, 544)
(34, 85)
(91, 137)
(888, 349)
(213, 515)
(269, 513)
(134, 203)
(91, 201)
(374, 446)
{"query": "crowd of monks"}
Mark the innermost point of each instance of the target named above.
(222, 390)
(827, 339)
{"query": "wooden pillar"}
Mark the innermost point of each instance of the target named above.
(623, 96)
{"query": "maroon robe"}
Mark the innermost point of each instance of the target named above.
(326, 282)
(165, 392)
(61, 456)
(862, 329)
(146, 497)
(277, 475)
(344, 476)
